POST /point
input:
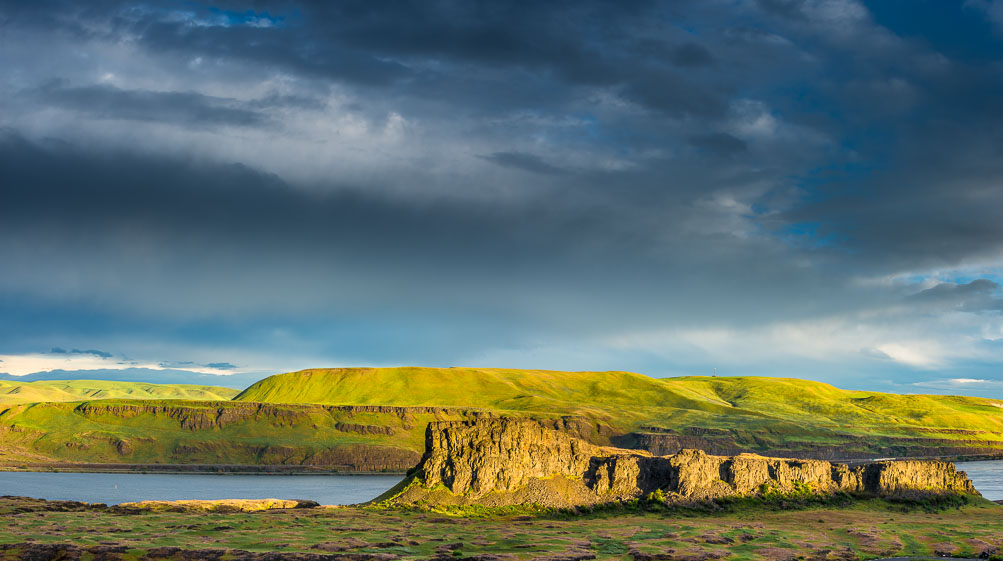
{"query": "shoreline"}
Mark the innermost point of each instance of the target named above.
(192, 469)
(252, 469)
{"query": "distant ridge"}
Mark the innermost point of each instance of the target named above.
(144, 375)
(79, 390)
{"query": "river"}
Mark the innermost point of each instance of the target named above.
(987, 477)
(114, 488)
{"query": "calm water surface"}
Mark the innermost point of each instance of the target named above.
(114, 488)
(987, 477)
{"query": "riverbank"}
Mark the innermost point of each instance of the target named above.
(865, 529)
(278, 469)
(118, 488)
(232, 469)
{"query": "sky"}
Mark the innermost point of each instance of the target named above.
(227, 190)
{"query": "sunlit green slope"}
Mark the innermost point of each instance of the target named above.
(825, 405)
(77, 390)
(672, 402)
(486, 388)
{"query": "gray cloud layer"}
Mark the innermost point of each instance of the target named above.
(772, 185)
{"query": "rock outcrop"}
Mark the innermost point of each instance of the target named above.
(506, 461)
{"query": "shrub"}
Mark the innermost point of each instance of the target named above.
(656, 496)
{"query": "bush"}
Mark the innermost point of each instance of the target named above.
(656, 496)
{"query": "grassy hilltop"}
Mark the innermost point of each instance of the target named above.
(373, 419)
(484, 388)
(625, 399)
(78, 390)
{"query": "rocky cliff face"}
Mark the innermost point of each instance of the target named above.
(223, 433)
(511, 461)
(731, 442)
(478, 457)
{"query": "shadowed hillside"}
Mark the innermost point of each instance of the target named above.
(216, 433)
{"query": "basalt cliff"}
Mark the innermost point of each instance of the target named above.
(505, 461)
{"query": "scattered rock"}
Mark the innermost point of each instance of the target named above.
(219, 506)
(719, 540)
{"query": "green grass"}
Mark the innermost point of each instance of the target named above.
(865, 530)
(77, 390)
(211, 432)
(628, 400)
(487, 388)
(299, 425)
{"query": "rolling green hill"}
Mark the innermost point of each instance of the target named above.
(372, 419)
(819, 404)
(624, 397)
(77, 390)
(485, 388)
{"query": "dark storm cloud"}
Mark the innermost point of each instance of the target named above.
(76, 189)
(691, 54)
(523, 161)
(979, 295)
(790, 9)
(695, 166)
(719, 143)
(937, 206)
(73, 190)
(349, 248)
(369, 45)
(672, 94)
(182, 108)
(686, 54)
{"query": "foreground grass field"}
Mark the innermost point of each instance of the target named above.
(867, 529)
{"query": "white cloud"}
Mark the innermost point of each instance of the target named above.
(964, 386)
(753, 120)
(395, 127)
(20, 365)
(867, 337)
(913, 353)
